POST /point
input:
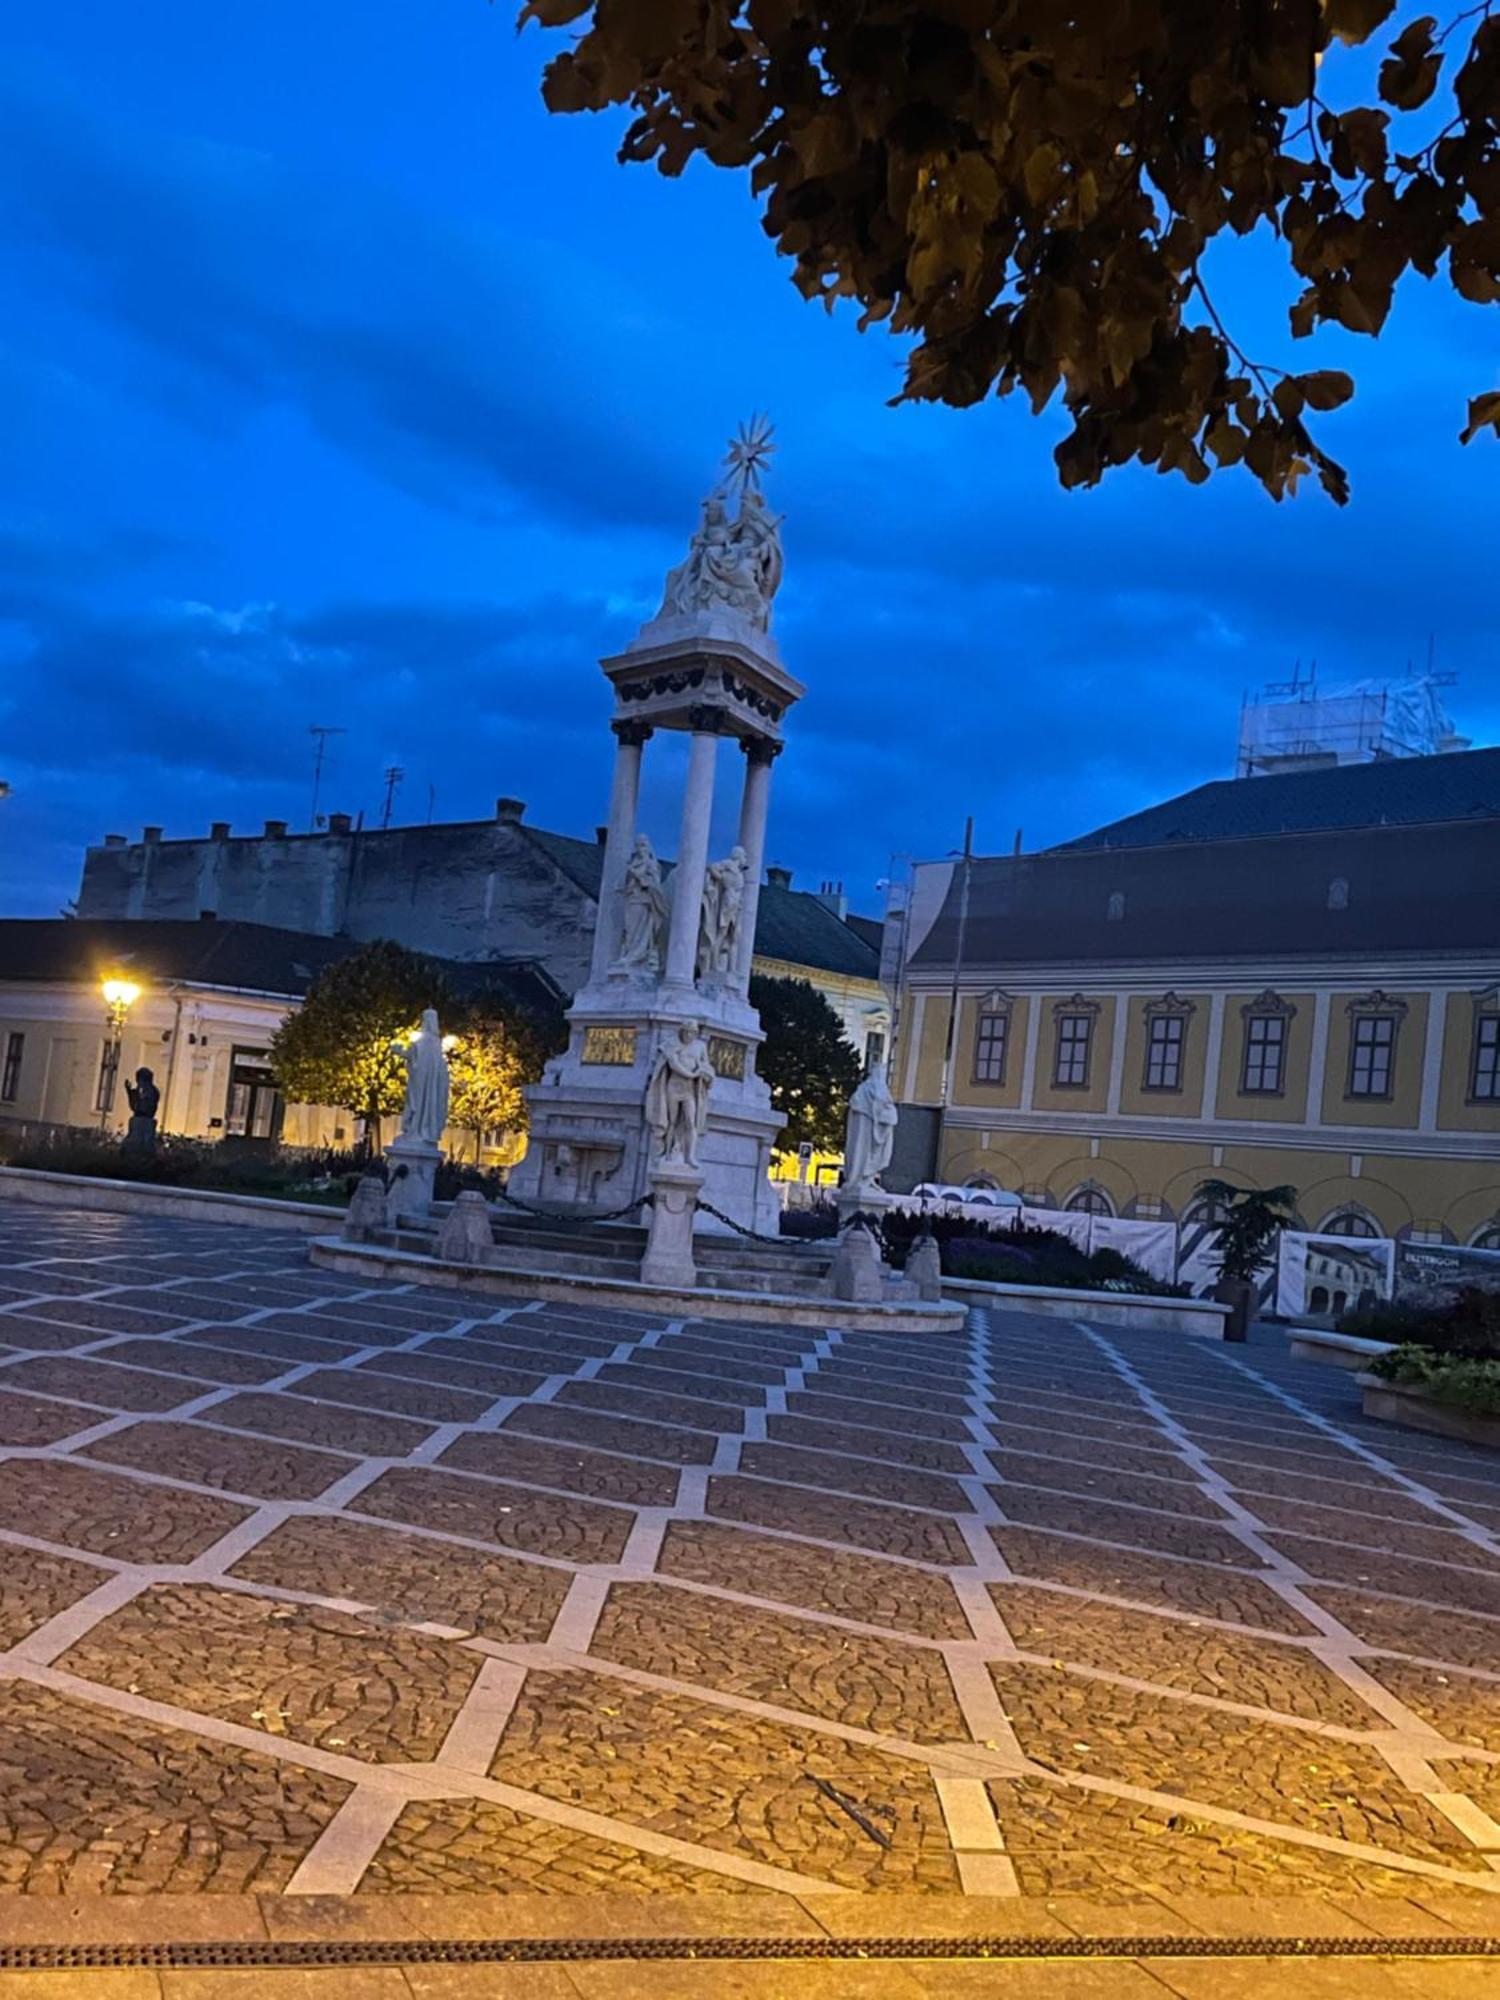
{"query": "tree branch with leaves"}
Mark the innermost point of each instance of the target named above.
(1030, 192)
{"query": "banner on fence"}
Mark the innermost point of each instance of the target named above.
(1319, 1277)
(1427, 1267)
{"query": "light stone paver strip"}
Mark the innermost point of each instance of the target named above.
(312, 1586)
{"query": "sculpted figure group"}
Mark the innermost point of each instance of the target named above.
(648, 909)
(730, 565)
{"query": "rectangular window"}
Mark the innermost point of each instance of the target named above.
(1265, 1056)
(874, 1049)
(1070, 1068)
(10, 1079)
(991, 1038)
(1485, 1083)
(1164, 1052)
(109, 1070)
(1372, 1051)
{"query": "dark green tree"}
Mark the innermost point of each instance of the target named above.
(1248, 1221)
(336, 1049)
(805, 1059)
(496, 1052)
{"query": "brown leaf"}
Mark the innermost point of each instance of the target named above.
(1327, 388)
(1484, 412)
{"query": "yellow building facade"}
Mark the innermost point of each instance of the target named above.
(1318, 1008)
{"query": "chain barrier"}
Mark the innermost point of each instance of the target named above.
(739, 1228)
(574, 1221)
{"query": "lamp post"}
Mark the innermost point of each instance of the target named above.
(120, 995)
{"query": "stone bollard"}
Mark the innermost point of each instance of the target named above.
(857, 1273)
(464, 1234)
(367, 1211)
(924, 1267)
(669, 1256)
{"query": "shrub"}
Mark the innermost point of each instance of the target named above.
(1461, 1382)
(1466, 1325)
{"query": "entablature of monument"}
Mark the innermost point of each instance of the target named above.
(703, 679)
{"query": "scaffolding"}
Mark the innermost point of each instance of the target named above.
(1297, 725)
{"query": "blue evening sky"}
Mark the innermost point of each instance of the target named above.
(341, 384)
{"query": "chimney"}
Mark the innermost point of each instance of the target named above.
(339, 822)
(219, 830)
(115, 840)
(831, 896)
(150, 835)
(275, 829)
(778, 878)
(510, 812)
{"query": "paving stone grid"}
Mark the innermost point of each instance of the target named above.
(311, 1587)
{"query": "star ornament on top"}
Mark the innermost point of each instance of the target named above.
(750, 452)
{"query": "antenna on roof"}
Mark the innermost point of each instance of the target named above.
(322, 731)
(393, 774)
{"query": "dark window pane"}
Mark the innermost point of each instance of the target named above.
(10, 1081)
(990, 1041)
(1486, 1083)
(1265, 1047)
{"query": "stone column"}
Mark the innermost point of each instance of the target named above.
(755, 803)
(692, 849)
(624, 800)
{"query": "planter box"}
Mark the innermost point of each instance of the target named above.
(1204, 1317)
(1395, 1403)
(1334, 1350)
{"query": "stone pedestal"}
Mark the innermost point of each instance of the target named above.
(464, 1234)
(868, 1200)
(669, 1239)
(413, 1169)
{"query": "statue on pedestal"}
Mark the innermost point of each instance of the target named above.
(719, 917)
(869, 1133)
(645, 911)
(677, 1096)
(425, 1112)
(144, 1100)
(732, 566)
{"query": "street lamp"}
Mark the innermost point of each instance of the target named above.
(120, 995)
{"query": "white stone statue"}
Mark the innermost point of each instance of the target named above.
(869, 1133)
(736, 565)
(677, 1095)
(719, 915)
(645, 911)
(425, 1112)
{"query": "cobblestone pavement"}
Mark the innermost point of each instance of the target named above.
(312, 1587)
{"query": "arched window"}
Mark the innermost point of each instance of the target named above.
(1338, 893)
(1349, 1222)
(1204, 1215)
(1089, 1200)
(1487, 1238)
(1340, 1301)
(1114, 909)
(1317, 1299)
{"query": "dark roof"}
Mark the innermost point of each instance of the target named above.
(1396, 791)
(1405, 889)
(870, 929)
(258, 958)
(790, 924)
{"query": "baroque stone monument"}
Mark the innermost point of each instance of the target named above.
(670, 972)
